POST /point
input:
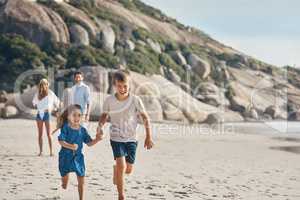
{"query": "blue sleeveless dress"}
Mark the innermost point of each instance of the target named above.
(69, 160)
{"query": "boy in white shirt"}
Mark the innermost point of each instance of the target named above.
(123, 108)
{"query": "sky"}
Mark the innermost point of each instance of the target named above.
(268, 30)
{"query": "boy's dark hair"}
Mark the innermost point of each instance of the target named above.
(121, 75)
(77, 72)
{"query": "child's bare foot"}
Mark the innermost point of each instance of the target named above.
(121, 197)
(115, 175)
(64, 186)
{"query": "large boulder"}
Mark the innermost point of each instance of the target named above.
(22, 101)
(153, 107)
(179, 58)
(193, 110)
(173, 76)
(97, 76)
(143, 85)
(212, 95)
(172, 113)
(79, 36)
(80, 17)
(231, 116)
(2, 105)
(238, 104)
(166, 91)
(9, 112)
(154, 45)
(129, 45)
(251, 113)
(214, 118)
(3, 96)
(106, 36)
(35, 22)
(199, 65)
(272, 110)
(222, 117)
(294, 116)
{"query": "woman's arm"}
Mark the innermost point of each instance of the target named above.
(68, 145)
(35, 100)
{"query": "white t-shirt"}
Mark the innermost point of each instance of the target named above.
(47, 103)
(124, 117)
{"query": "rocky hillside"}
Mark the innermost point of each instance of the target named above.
(180, 72)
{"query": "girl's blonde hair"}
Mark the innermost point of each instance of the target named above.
(63, 117)
(43, 88)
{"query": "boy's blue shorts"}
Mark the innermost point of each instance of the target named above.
(124, 149)
(46, 117)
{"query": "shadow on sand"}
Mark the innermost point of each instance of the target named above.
(291, 149)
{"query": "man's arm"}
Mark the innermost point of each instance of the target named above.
(87, 115)
(88, 99)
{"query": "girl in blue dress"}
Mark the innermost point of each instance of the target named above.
(71, 138)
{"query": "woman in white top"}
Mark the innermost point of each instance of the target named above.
(45, 101)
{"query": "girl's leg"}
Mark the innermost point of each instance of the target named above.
(64, 181)
(40, 136)
(120, 171)
(47, 124)
(80, 186)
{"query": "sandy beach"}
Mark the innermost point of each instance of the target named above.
(248, 161)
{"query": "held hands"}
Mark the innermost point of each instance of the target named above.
(99, 134)
(86, 117)
(148, 143)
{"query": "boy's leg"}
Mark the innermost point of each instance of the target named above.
(64, 181)
(80, 186)
(129, 168)
(120, 171)
(40, 136)
(130, 158)
(115, 175)
(47, 124)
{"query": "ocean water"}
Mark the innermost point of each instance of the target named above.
(285, 126)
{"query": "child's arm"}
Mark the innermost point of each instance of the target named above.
(68, 145)
(99, 136)
(102, 120)
(148, 140)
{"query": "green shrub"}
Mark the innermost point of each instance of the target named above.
(171, 46)
(143, 59)
(83, 55)
(17, 56)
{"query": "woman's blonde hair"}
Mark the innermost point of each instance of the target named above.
(43, 88)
